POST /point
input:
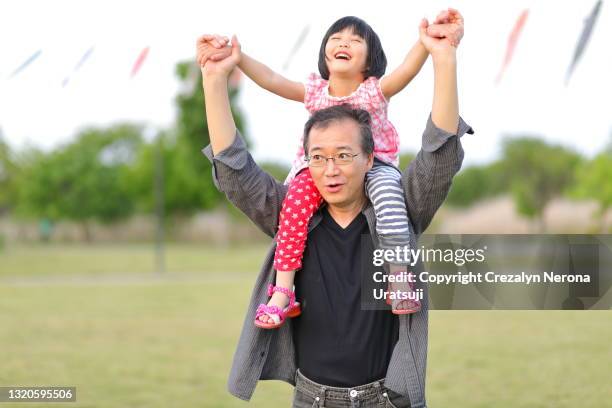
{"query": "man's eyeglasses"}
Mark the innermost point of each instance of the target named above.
(317, 160)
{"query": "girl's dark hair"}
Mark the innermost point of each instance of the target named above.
(376, 61)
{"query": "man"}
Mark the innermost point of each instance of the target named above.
(336, 352)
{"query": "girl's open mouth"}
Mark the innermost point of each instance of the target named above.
(343, 55)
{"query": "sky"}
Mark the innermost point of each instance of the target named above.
(531, 99)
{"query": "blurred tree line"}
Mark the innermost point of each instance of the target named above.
(534, 172)
(107, 174)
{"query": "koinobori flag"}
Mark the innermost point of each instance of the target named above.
(27, 62)
(297, 45)
(139, 61)
(589, 22)
(512, 40)
(78, 65)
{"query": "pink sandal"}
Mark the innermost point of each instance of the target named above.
(413, 306)
(275, 313)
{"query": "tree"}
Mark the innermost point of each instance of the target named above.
(183, 191)
(476, 183)
(190, 186)
(83, 180)
(9, 173)
(594, 180)
(538, 172)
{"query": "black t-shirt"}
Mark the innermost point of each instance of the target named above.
(337, 343)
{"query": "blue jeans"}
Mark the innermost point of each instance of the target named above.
(309, 394)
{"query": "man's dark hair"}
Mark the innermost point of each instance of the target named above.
(321, 119)
(376, 61)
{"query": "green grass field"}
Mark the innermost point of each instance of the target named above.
(146, 341)
(125, 259)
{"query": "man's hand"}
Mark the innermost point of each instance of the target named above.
(215, 56)
(448, 24)
(210, 45)
(443, 36)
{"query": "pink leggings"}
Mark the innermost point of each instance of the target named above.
(301, 202)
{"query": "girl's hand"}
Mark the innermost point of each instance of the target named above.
(448, 24)
(212, 46)
(215, 56)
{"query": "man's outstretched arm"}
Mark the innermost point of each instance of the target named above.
(445, 107)
(215, 72)
(428, 177)
(249, 188)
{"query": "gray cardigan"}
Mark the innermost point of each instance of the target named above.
(270, 354)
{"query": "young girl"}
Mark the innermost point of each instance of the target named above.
(351, 64)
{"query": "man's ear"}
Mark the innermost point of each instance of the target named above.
(370, 161)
